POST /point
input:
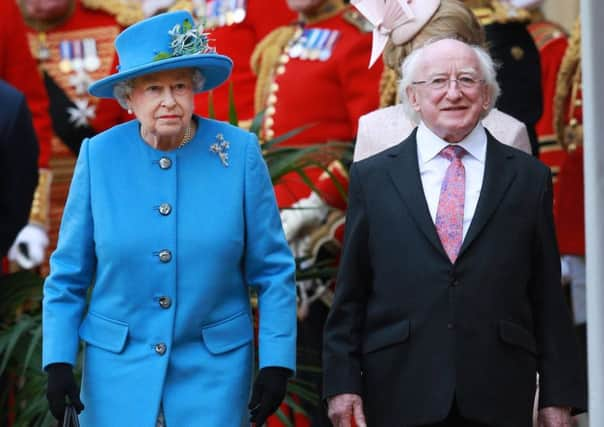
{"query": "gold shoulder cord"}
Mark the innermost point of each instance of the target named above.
(126, 12)
(265, 57)
(182, 5)
(40, 207)
(388, 87)
(494, 11)
(567, 83)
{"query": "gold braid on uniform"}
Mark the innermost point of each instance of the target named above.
(265, 57)
(126, 12)
(497, 11)
(182, 5)
(570, 69)
(40, 207)
(388, 87)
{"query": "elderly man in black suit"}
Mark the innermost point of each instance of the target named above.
(448, 299)
(18, 163)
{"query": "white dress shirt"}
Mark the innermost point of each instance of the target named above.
(433, 166)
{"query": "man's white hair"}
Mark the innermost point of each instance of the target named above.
(123, 89)
(411, 64)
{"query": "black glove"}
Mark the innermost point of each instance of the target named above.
(61, 383)
(268, 393)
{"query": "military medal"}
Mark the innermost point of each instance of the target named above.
(316, 50)
(65, 62)
(240, 12)
(219, 11)
(310, 43)
(43, 53)
(77, 63)
(327, 50)
(298, 45)
(228, 10)
(80, 80)
(92, 62)
(199, 8)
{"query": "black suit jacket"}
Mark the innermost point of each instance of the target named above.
(18, 163)
(410, 331)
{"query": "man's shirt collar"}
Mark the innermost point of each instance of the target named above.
(429, 145)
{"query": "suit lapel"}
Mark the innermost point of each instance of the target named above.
(498, 175)
(404, 172)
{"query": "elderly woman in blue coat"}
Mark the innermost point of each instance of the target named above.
(170, 220)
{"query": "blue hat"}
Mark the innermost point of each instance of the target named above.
(164, 42)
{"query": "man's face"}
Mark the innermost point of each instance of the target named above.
(451, 112)
(304, 6)
(46, 10)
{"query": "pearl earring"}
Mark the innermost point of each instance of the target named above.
(129, 111)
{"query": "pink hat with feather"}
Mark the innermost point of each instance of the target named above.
(399, 20)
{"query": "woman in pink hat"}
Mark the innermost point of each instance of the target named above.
(172, 218)
(397, 31)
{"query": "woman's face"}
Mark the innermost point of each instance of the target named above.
(163, 102)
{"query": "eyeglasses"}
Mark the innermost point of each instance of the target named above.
(440, 83)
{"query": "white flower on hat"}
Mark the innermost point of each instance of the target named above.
(187, 39)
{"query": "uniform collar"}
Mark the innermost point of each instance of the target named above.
(326, 10)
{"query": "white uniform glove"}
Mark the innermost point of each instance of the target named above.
(304, 213)
(29, 248)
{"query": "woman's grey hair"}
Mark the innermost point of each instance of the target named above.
(123, 89)
(409, 70)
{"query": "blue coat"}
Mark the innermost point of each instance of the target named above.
(171, 241)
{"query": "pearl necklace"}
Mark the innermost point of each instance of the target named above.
(187, 137)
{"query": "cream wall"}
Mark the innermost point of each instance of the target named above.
(563, 12)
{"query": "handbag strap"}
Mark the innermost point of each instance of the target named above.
(71, 417)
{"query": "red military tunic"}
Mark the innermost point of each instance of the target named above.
(85, 35)
(238, 41)
(320, 80)
(18, 68)
(570, 205)
(551, 40)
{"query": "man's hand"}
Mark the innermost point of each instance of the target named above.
(342, 408)
(29, 247)
(554, 416)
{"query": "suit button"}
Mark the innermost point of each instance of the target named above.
(454, 283)
(165, 256)
(451, 325)
(165, 163)
(165, 209)
(160, 348)
(165, 302)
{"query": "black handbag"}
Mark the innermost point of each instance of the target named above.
(71, 417)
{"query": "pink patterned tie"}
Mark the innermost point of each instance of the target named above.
(449, 215)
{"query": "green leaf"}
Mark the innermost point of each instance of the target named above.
(257, 124)
(279, 139)
(294, 405)
(286, 421)
(186, 25)
(35, 343)
(161, 55)
(14, 334)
